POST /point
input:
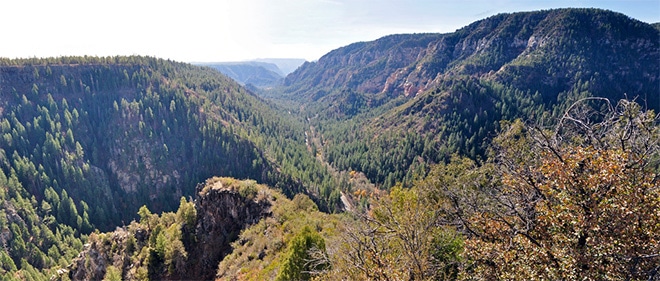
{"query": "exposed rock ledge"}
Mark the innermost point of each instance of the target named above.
(223, 206)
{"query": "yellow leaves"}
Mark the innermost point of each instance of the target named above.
(571, 204)
(360, 193)
(594, 206)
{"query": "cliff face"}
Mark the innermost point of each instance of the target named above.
(364, 66)
(92, 263)
(223, 207)
(222, 212)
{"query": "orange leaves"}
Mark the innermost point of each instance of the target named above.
(595, 216)
(569, 211)
(360, 193)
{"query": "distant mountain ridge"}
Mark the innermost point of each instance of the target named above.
(284, 64)
(261, 73)
(258, 74)
(546, 51)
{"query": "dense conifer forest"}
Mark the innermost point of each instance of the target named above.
(523, 146)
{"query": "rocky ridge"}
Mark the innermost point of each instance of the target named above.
(549, 51)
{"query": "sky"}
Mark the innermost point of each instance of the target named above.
(237, 30)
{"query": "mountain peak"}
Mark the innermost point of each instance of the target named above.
(547, 51)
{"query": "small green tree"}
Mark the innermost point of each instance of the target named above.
(299, 263)
(112, 274)
(186, 214)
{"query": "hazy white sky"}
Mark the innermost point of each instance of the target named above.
(233, 30)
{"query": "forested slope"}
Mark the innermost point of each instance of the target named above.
(105, 130)
(390, 107)
(576, 200)
(550, 51)
(86, 141)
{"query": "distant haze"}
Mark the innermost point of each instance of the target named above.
(285, 65)
(262, 73)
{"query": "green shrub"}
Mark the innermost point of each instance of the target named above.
(299, 262)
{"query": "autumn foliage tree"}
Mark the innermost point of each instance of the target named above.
(401, 237)
(580, 201)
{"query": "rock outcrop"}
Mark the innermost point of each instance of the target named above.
(223, 208)
(108, 250)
